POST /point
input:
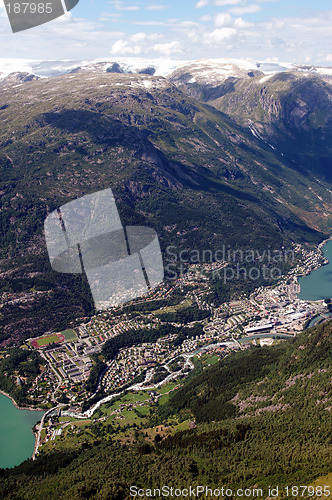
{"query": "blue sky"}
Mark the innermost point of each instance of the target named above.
(277, 30)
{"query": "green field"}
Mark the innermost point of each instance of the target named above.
(172, 309)
(210, 359)
(166, 387)
(50, 339)
(135, 396)
(69, 335)
(144, 410)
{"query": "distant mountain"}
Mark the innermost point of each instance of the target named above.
(290, 110)
(213, 68)
(203, 78)
(48, 69)
(174, 163)
(259, 418)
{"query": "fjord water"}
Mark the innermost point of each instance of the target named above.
(318, 284)
(16, 437)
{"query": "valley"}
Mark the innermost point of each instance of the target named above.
(221, 374)
(174, 163)
(253, 418)
(82, 360)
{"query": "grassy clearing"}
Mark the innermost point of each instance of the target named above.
(81, 423)
(50, 339)
(69, 335)
(171, 309)
(164, 389)
(183, 426)
(323, 481)
(135, 397)
(144, 410)
(209, 359)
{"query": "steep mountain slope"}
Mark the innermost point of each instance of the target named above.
(176, 164)
(291, 111)
(280, 436)
(260, 381)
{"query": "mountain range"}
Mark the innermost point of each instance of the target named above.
(208, 153)
(290, 110)
(241, 158)
(160, 67)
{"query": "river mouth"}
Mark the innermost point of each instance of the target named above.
(16, 436)
(318, 284)
(318, 320)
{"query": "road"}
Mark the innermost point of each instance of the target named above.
(38, 437)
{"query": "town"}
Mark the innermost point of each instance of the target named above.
(270, 314)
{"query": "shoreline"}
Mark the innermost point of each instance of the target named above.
(28, 408)
(35, 433)
(322, 243)
(320, 248)
(88, 413)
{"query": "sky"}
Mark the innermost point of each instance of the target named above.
(296, 31)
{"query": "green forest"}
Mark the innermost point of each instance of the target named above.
(22, 365)
(262, 418)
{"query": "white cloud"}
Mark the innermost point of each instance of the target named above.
(168, 49)
(201, 3)
(223, 19)
(123, 48)
(242, 24)
(221, 3)
(151, 23)
(219, 36)
(157, 7)
(136, 44)
(206, 18)
(117, 4)
(138, 37)
(246, 9)
(110, 16)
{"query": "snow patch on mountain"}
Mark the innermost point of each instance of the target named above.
(266, 78)
(215, 70)
(46, 69)
(8, 66)
(324, 71)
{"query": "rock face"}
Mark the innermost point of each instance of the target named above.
(174, 163)
(20, 77)
(290, 110)
(206, 80)
(114, 68)
(148, 71)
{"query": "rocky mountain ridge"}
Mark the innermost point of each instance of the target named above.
(174, 163)
(213, 68)
(291, 110)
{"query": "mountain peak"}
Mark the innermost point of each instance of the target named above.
(218, 69)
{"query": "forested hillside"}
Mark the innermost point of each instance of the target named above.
(173, 163)
(279, 433)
